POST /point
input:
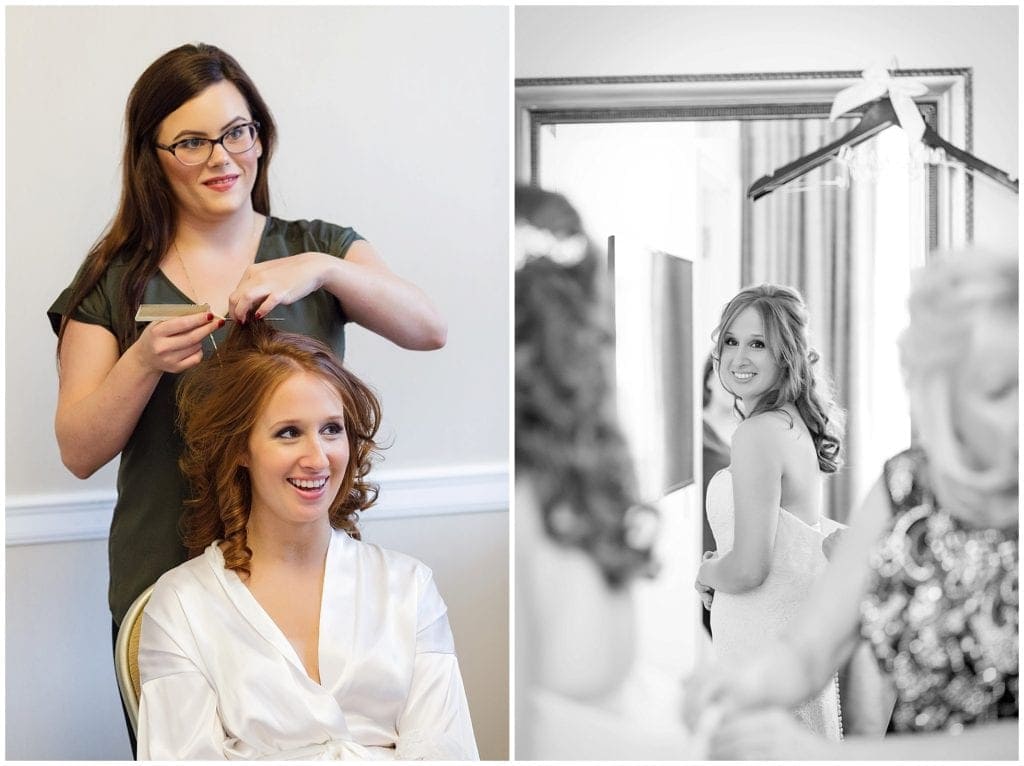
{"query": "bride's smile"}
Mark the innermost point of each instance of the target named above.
(748, 364)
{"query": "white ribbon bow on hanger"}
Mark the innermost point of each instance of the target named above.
(876, 83)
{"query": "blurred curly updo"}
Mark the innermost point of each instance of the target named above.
(567, 441)
(953, 303)
(801, 381)
(219, 402)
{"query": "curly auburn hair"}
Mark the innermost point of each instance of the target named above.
(219, 402)
(566, 436)
(800, 382)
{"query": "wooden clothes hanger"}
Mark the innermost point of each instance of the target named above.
(879, 116)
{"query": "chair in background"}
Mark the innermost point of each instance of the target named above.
(126, 657)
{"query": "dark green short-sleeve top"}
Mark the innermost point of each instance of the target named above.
(145, 540)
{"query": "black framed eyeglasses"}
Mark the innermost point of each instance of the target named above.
(196, 150)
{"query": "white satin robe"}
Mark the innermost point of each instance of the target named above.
(221, 681)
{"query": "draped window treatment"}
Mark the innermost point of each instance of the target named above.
(819, 239)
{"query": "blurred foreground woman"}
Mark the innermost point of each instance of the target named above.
(582, 538)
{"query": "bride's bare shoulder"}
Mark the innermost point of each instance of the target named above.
(764, 426)
(757, 445)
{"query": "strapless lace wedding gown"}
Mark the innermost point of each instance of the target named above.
(743, 624)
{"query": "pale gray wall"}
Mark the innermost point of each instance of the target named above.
(391, 120)
(62, 699)
(622, 40)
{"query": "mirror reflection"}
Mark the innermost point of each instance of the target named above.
(679, 187)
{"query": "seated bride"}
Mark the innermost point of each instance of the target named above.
(286, 636)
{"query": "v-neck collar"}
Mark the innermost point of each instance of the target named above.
(258, 258)
(251, 609)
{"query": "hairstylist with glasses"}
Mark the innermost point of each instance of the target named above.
(194, 227)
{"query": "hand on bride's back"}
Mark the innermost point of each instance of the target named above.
(713, 691)
(769, 734)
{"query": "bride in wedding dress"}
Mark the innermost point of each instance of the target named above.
(765, 508)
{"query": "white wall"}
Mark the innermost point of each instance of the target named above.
(392, 120)
(632, 40)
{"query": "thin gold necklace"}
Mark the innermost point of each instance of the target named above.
(191, 284)
(195, 293)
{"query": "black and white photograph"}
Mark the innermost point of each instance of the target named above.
(766, 382)
(257, 494)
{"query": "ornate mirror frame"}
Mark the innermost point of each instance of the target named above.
(946, 107)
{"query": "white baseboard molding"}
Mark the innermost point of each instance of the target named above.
(58, 518)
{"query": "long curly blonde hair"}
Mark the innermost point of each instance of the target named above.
(219, 402)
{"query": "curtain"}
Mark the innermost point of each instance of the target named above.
(817, 238)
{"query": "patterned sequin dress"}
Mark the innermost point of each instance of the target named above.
(941, 615)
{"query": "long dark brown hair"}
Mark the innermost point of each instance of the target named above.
(144, 225)
(219, 402)
(568, 439)
(801, 381)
